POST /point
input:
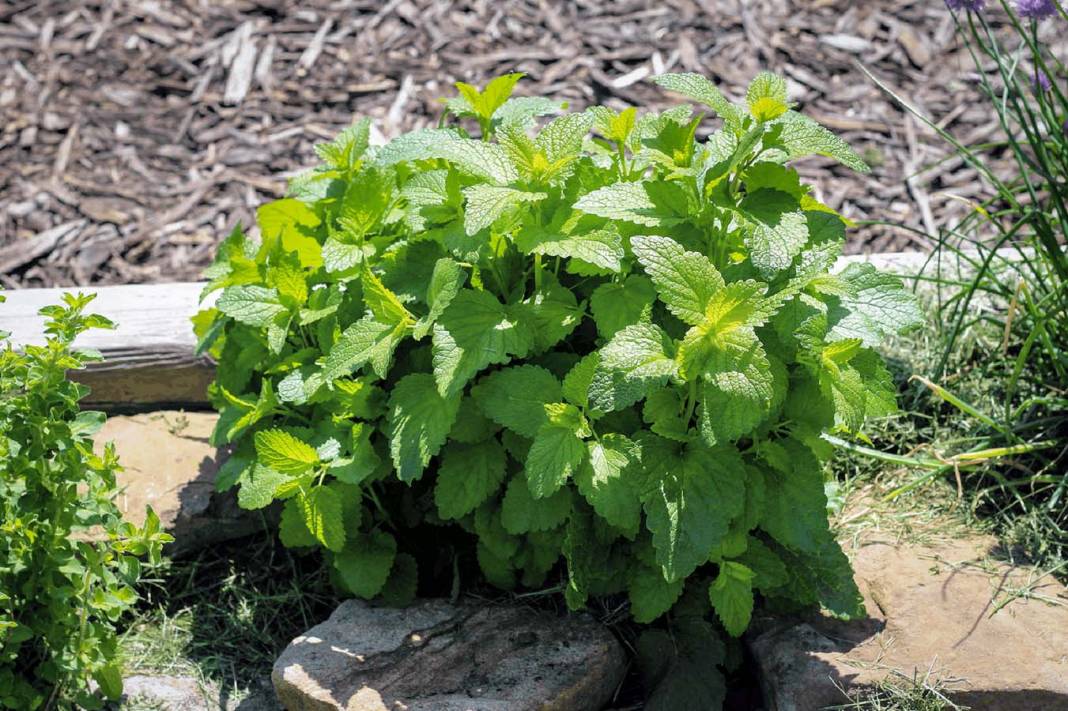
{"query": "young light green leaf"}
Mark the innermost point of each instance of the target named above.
(321, 510)
(732, 596)
(284, 453)
(767, 97)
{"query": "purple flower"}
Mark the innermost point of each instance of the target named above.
(1040, 81)
(973, 5)
(1036, 9)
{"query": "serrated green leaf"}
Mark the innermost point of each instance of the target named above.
(321, 510)
(664, 413)
(551, 313)
(523, 109)
(732, 597)
(778, 229)
(488, 203)
(795, 507)
(577, 382)
(284, 453)
(618, 305)
(629, 202)
(557, 451)
(515, 397)
(522, 513)
(468, 475)
(769, 571)
(801, 136)
(418, 423)
(383, 303)
(651, 595)
(250, 304)
(696, 492)
(475, 331)
(363, 566)
(698, 88)
(366, 341)
(878, 307)
(445, 283)
(258, 485)
(479, 158)
(605, 480)
(602, 248)
(686, 281)
(637, 360)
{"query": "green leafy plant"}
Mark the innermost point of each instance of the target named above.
(68, 562)
(595, 339)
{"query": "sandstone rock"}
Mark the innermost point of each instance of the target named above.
(167, 693)
(933, 612)
(435, 656)
(183, 693)
(169, 465)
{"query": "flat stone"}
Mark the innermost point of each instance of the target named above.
(949, 612)
(169, 465)
(184, 693)
(436, 656)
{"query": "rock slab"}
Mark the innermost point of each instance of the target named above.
(436, 656)
(951, 613)
(169, 465)
(184, 693)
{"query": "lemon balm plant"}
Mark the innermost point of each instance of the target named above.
(61, 589)
(602, 348)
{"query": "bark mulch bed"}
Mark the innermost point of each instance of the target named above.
(134, 135)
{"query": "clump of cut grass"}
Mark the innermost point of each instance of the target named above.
(899, 692)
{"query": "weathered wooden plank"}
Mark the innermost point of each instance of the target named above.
(149, 356)
(150, 359)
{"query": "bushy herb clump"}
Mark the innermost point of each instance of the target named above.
(61, 589)
(616, 350)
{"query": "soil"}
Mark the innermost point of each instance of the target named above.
(135, 135)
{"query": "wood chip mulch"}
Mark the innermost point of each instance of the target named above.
(134, 135)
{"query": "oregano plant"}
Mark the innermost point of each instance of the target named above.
(69, 564)
(603, 348)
